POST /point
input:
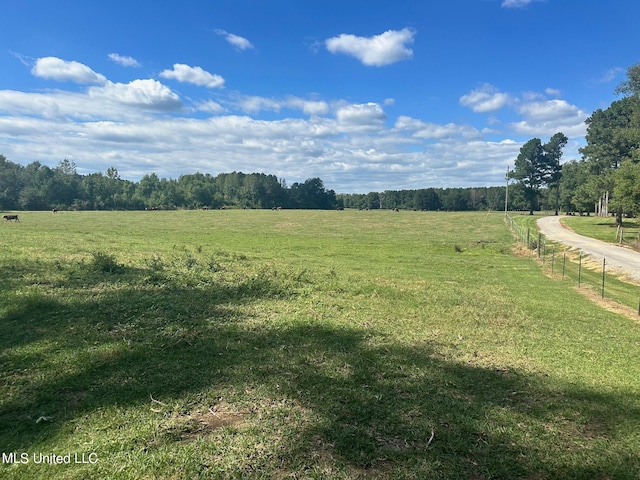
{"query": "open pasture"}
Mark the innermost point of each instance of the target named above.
(304, 344)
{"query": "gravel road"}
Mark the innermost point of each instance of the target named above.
(622, 259)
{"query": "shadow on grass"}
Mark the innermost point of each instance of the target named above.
(378, 407)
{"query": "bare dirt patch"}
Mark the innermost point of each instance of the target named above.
(199, 422)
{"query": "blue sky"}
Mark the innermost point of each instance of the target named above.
(368, 96)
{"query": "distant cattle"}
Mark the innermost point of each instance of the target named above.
(8, 218)
(55, 210)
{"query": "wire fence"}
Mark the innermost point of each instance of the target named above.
(562, 263)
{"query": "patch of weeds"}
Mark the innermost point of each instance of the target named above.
(105, 263)
(155, 264)
(213, 265)
(190, 261)
(156, 270)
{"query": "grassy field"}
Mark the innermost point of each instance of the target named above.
(605, 229)
(303, 344)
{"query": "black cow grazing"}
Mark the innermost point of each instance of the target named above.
(8, 218)
(55, 210)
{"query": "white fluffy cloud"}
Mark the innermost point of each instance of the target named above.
(195, 75)
(485, 99)
(550, 116)
(146, 93)
(361, 116)
(124, 60)
(309, 107)
(540, 116)
(209, 106)
(238, 42)
(389, 47)
(254, 104)
(54, 68)
(434, 131)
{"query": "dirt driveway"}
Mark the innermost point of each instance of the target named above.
(622, 259)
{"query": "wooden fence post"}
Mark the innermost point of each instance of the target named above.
(604, 263)
(539, 246)
(579, 269)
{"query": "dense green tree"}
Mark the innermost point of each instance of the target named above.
(531, 171)
(427, 199)
(37, 191)
(147, 185)
(574, 196)
(537, 165)
(65, 185)
(312, 194)
(553, 152)
(196, 191)
(455, 199)
(613, 138)
(608, 139)
(10, 184)
(630, 86)
(372, 201)
(626, 193)
(495, 198)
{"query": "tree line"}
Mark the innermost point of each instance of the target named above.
(39, 187)
(610, 164)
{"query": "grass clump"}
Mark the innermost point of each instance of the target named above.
(103, 262)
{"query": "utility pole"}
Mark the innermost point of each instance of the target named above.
(557, 185)
(506, 192)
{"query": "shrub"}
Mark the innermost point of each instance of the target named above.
(105, 263)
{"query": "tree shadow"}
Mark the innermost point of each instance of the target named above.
(378, 407)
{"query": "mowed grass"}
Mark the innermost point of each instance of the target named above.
(567, 264)
(605, 229)
(304, 344)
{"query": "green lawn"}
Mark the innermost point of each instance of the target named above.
(304, 344)
(605, 229)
